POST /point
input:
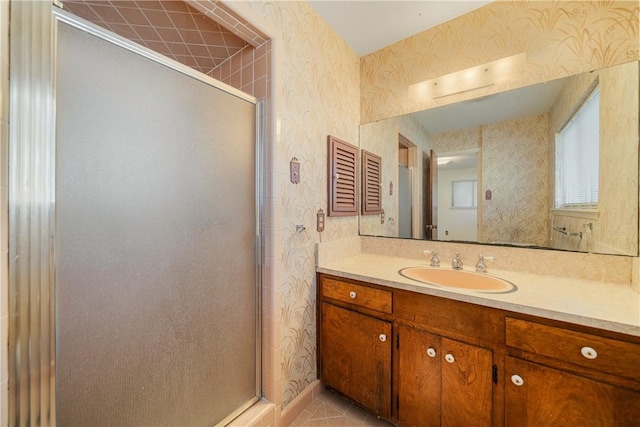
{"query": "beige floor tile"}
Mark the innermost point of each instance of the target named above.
(330, 409)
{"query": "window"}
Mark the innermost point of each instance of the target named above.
(577, 151)
(463, 194)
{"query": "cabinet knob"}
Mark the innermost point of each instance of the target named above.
(449, 358)
(588, 352)
(352, 294)
(382, 337)
(517, 380)
(431, 352)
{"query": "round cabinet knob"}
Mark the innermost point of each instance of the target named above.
(588, 352)
(382, 337)
(517, 380)
(449, 358)
(431, 352)
(352, 294)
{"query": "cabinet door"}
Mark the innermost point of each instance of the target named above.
(540, 396)
(419, 359)
(467, 384)
(356, 357)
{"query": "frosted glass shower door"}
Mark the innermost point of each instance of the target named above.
(155, 266)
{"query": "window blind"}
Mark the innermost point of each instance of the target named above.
(577, 154)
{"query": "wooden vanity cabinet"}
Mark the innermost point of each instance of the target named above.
(445, 351)
(557, 376)
(354, 348)
(456, 364)
(539, 396)
(442, 381)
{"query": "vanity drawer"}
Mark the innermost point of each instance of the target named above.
(590, 351)
(470, 323)
(363, 296)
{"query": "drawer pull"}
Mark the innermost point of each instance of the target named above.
(382, 337)
(517, 380)
(589, 353)
(431, 352)
(449, 358)
(352, 294)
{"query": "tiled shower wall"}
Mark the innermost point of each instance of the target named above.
(247, 70)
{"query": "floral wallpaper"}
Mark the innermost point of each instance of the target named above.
(318, 95)
(559, 38)
(456, 140)
(514, 168)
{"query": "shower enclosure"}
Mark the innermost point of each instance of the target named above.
(134, 237)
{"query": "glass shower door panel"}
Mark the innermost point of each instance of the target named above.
(154, 244)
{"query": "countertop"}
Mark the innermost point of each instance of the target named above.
(612, 307)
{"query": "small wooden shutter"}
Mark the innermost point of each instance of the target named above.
(371, 183)
(343, 178)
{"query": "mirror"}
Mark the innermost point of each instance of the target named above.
(484, 170)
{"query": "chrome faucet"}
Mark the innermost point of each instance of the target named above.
(457, 262)
(434, 262)
(481, 267)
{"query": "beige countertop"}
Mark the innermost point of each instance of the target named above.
(612, 307)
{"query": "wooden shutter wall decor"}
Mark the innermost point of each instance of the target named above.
(371, 183)
(343, 178)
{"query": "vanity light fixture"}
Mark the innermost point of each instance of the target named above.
(471, 78)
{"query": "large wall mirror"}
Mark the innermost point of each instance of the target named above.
(515, 168)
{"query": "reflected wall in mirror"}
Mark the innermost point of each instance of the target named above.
(512, 137)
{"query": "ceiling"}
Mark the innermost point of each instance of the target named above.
(514, 104)
(367, 26)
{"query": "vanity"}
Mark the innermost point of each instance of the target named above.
(482, 171)
(422, 355)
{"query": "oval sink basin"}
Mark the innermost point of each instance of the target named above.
(459, 279)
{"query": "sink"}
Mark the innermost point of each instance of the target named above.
(459, 279)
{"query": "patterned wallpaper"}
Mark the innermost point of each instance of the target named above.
(514, 168)
(558, 38)
(318, 95)
(619, 97)
(381, 138)
(456, 140)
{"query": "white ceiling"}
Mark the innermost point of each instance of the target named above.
(371, 25)
(514, 104)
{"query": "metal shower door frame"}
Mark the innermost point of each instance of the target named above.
(32, 204)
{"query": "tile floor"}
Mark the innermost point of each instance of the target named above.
(330, 409)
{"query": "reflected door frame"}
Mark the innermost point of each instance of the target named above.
(412, 161)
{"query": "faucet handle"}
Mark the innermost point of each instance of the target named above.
(481, 267)
(434, 262)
